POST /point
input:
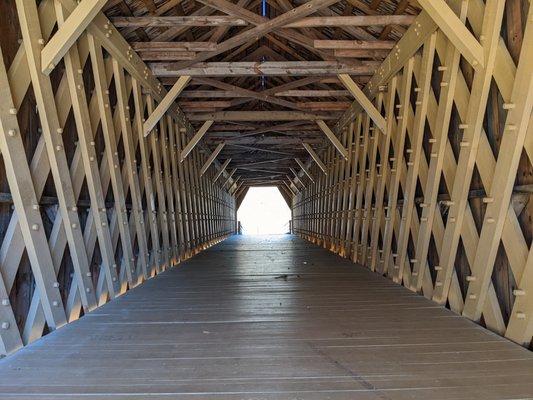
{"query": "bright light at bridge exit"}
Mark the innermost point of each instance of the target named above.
(264, 211)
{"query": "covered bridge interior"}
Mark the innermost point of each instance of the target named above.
(398, 133)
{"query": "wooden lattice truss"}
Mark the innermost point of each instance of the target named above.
(146, 211)
(434, 198)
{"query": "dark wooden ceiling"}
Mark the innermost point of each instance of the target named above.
(299, 77)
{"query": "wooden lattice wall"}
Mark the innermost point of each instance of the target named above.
(90, 206)
(434, 188)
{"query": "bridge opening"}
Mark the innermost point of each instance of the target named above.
(264, 211)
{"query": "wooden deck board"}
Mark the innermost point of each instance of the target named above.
(269, 318)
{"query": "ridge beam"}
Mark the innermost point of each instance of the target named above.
(211, 158)
(165, 104)
(68, 33)
(315, 157)
(196, 138)
(455, 30)
(333, 139)
(361, 98)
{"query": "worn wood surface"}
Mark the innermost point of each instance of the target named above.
(270, 317)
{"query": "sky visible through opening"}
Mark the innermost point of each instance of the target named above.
(264, 211)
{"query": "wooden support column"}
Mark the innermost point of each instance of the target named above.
(450, 67)
(355, 128)
(26, 206)
(368, 208)
(415, 151)
(145, 164)
(157, 176)
(361, 182)
(397, 162)
(383, 172)
(94, 184)
(473, 127)
(169, 192)
(176, 187)
(184, 195)
(114, 162)
(517, 125)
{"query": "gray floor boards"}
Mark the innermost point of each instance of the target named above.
(269, 318)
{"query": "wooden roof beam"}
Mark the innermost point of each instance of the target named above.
(68, 33)
(173, 46)
(267, 68)
(361, 98)
(352, 20)
(264, 26)
(169, 21)
(249, 93)
(254, 33)
(211, 158)
(455, 30)
(354, 44)
(195, 140)
(315, 157)
(258, 116)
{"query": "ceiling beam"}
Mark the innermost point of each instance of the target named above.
(165, 104)
(194, 141)
(315, 157)
(256, 32)
(173, 46)
(258, 116)
(333, 139)
(352, 20)
(365, 103)
(211, 158)
(267, 68)
(455, 30)
(68, 33)
(261, 29)
(313, 93)
(354, 44)
(168, 21)
(249, 93)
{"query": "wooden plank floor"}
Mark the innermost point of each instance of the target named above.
(269, 318)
